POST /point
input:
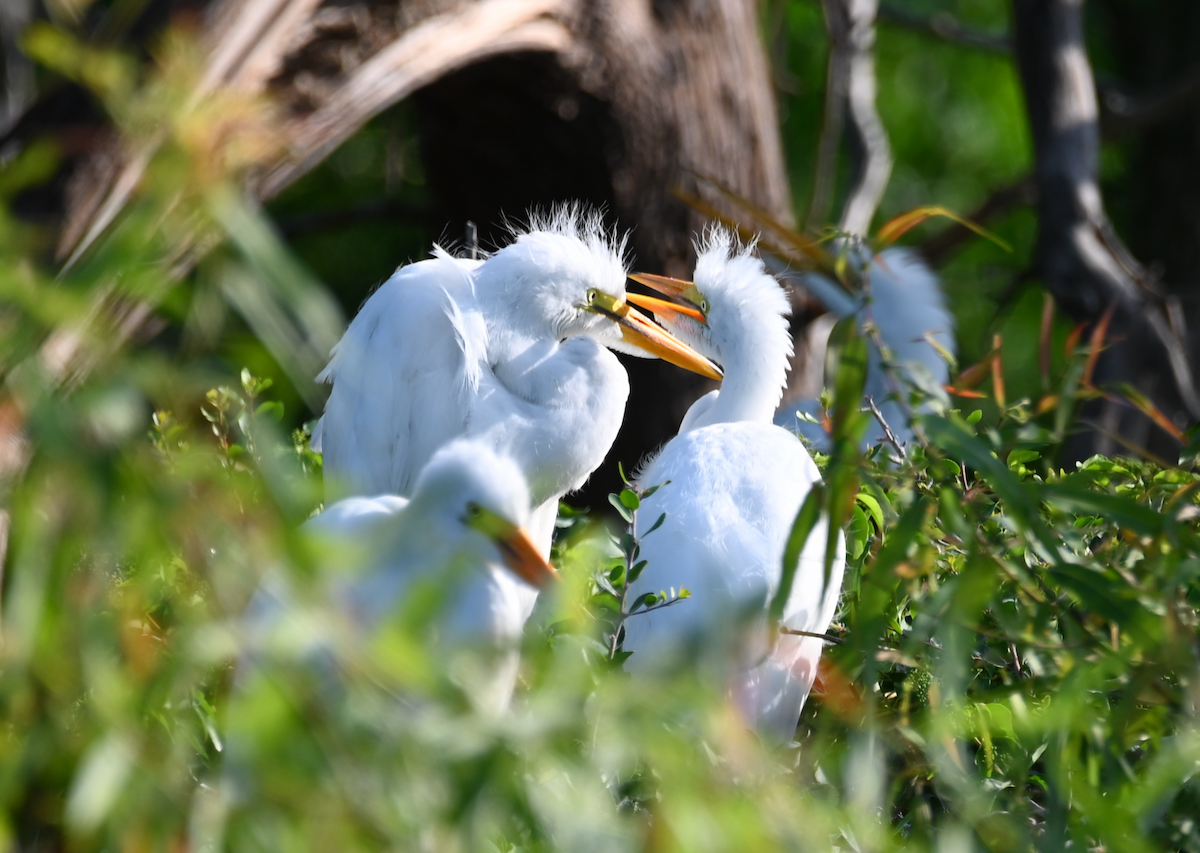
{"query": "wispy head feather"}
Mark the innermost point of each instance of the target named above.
(579, 221)
(748, 310)
(726, 264)
(539, 282)
(735, 280)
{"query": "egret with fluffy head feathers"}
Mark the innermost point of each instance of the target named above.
(908, 308)
(462, 529)
(513, 350)
(736, 483)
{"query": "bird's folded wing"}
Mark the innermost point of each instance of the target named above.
(399, 376)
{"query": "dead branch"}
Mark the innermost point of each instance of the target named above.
(887, 430)
(837, 85)
(1002, 201)
(430, 50)
(946, 27)
(16, 71)
(852, 28)
(1123, 112)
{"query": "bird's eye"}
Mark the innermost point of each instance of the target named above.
(473, 510)
(704, 306)
(591, 295)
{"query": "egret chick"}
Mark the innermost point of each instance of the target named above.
(460, 540)
(909, 309)
(736, 483)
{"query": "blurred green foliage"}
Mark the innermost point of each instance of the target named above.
(1018, 655)
(358, 215)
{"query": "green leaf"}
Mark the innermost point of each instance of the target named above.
(630, 499)
(877, 589)
(34, 164)
(1020, 504)
(1072, 496)
(858, 534)
(271, 409)
(951, 514)
(846, 374)
(999, 719)
(100, 780)
(1110, 598)
(615, 500)
(648, 492)
(603, 583)
(629, 546)
(806, 520)
(608, 600)
(647, 600)
(1019, 457)
(874, 510)
(657, 524)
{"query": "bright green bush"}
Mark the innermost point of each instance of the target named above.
(1016, 665)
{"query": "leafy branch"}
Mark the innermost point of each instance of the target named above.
(226, 408)
(624, 572)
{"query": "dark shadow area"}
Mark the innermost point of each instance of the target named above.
(509, 134)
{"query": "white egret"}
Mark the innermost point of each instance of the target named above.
(736, 484)
(460, 539)
(909, 309)
(511, 350)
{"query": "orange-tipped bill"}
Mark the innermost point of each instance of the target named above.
(638, 330)
(682, 297)
(663, 308)
(523, 559)
(517, 550)
(672, 287)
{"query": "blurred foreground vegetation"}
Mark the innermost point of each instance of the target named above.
(1017, 657)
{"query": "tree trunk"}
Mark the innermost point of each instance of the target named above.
(16, 72)
(1155, 102)
(1078, 255)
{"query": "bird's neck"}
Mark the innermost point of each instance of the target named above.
(753, 400)
(751, 389)
(506, 307)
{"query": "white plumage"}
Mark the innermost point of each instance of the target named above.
(513, 350)
(908, 307)
(461, 535)
(736, 485)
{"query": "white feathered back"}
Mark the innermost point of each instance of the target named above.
(907, 305)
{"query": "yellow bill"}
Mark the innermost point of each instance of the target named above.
(674, 287)
(517, 550)
(663, 308)
(638, 330)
